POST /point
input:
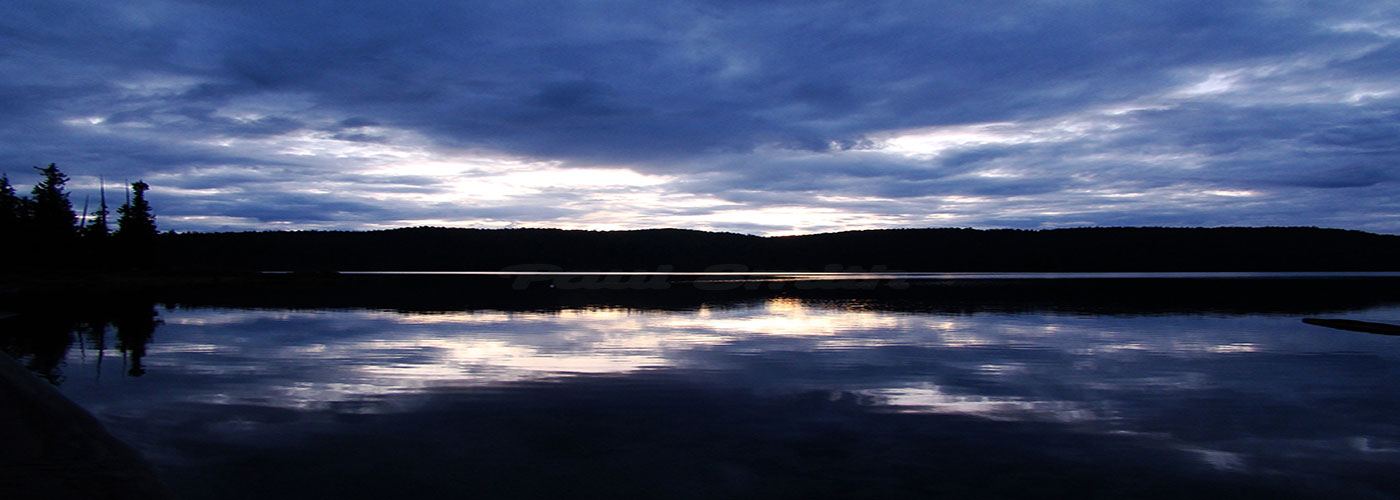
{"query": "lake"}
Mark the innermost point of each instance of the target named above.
(1065, 387)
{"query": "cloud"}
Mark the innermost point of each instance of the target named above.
(1025, 114)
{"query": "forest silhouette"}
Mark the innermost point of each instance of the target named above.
(932, 250)
(49, 236)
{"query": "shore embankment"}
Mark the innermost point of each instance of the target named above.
(53, 449)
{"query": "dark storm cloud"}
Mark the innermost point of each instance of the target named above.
(763, 104)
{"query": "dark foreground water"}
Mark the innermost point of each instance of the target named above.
(759, 396)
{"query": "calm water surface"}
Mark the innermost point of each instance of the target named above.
(776, 396)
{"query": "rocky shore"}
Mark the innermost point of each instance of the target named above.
(54, 449)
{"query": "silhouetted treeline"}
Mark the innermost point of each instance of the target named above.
(43, 231)
(950, 250)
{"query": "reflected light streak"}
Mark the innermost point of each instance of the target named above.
(380, 352)
(791, 318)
(935, 400)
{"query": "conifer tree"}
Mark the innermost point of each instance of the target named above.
(136, 222)
(98, 228)
(12, 207)
(51, 212)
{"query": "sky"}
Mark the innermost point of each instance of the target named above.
(758, 117)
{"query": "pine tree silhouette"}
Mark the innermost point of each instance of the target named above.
(98, 227)
(51, 212)
(136, 223)
(12, 208)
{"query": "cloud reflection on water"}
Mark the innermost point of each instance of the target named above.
(356, 353)
(1233, 392)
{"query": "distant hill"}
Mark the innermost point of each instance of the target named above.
(951, 250)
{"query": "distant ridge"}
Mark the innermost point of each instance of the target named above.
(942, 250)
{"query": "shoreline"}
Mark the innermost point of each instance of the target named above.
(73, 294)
(54, 449)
